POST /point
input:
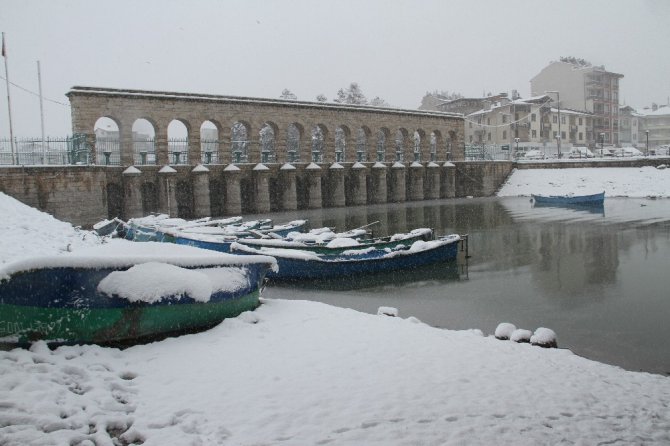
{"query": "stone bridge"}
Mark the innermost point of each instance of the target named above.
(258, 155)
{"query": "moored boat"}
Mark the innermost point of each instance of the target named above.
(295, 264)
(219, 239)
(338, 245)
(125, 293)
(583, 200)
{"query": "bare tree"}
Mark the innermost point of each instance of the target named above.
(321, 98)
(288, 95)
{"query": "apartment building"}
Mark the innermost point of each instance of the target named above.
(531, 123)
(588, 88)
(630, 122)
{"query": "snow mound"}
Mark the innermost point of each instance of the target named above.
(544, 337)
(387, 311)
(28, 232)
(152, 282)
(504, 330)
(521, 335)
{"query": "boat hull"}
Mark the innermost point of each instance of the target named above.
(64, 306)
(583, 200)
(292, 267)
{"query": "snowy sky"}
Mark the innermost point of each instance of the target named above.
(394, 49)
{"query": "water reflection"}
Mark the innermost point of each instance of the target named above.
(429, 275)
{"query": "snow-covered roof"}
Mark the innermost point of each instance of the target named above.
(231, 168)
(313, 166)
(336, 166)
(358, 165)
(261, 166)
(287, 166)
(167, 169)
(398, 165)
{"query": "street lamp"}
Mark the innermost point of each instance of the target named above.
(558, 106)
(647, 133)
(516, 152)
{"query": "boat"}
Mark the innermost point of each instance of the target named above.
(340, 244)
(219, 239)
(107, 227)
(295, 264)
(559, 200)
(124, 294)
(159, 228)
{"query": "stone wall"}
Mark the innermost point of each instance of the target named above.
(84, 195)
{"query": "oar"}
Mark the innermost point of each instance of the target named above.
(365, 226)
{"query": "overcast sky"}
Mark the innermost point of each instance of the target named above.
(397, 50)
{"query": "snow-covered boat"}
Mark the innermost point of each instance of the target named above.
(219, 239)
(295, 264)
(339, 244)
(559, 200)
(126, 294)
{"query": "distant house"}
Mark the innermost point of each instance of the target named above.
(656, 121)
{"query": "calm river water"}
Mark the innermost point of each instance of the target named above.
(600, 279)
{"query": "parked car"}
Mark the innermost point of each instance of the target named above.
(603, 152)
(534, 155)
(627, 151)
(580, 152)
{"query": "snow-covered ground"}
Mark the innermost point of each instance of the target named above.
(306, 373)
(615, 181)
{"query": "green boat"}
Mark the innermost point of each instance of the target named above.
(130, 293)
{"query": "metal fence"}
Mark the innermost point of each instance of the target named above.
(50, 151)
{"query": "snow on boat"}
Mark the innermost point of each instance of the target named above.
(295, 264)
(339, 244)
(219, 239)
(583, 200)
(157, 228)
(121, 292)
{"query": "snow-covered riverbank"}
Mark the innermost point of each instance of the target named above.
(636, 182)
(305, 373)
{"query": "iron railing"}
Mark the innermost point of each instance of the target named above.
(50, 151)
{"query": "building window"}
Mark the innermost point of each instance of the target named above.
(488, 121)
(532, 117)
(580, 121)
(504, 119)
(489, 136)
(562, 119)
(534, 133)
(504, 134)
(555, 119)
(562, 135)
(555, 134)
(470, 138)
(470, 124)
(581, 136)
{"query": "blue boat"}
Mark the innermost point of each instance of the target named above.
(338, 244)
(582, 200)
(146, 293)
(298, 264)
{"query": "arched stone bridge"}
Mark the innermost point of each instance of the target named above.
(295, 154)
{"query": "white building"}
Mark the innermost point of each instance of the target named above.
(525, 124)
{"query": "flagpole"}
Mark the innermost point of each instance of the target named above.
(9, 107)
(39, 81)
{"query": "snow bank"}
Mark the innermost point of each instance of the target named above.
(305, 373)
(638, 182)
(28, 232)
